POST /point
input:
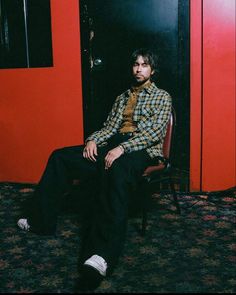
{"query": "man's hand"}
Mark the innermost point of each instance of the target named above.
(112, 155)
(90, 150)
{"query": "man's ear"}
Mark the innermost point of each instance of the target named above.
(152, 72)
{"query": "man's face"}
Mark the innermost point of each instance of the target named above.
(142, 71)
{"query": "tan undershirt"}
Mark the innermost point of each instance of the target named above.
(128, 124)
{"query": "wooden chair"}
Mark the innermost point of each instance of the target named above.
(155, 174)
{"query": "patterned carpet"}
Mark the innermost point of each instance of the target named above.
(194, 252)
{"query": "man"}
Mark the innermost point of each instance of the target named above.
(113, 159)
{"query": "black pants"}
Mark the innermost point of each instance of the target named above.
(107, 202)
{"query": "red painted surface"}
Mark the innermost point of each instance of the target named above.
(213, 101)
(41, 108)
(195, 93)
(219, 127)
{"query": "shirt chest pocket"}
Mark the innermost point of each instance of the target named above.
(142, 113)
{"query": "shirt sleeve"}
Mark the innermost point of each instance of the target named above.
(111, 125)
(154, 131)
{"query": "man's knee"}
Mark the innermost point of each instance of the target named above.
(58, 154)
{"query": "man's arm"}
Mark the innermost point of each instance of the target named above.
(111, 125)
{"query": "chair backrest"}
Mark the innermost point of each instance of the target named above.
(169, 136)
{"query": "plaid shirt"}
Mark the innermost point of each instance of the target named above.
(151, 115)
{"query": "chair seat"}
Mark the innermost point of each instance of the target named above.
(151, 169)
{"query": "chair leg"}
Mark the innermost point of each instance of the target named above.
(176, 201)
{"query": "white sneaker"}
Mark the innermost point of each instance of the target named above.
(23, 224)
(97, 262)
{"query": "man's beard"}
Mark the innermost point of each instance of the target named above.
(141, 82)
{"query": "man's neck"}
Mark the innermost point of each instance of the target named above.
(139, 86)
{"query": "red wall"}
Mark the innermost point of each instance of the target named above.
(213, 101)
(195, 93)
(41, 108)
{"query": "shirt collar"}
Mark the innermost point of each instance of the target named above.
(146, 85)
(148, 88)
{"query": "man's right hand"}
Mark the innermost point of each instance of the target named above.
(90, 150)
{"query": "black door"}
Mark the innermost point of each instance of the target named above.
(110, 31)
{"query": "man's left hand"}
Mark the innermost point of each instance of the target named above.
(112, 155)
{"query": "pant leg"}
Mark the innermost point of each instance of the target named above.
(62, 167)
(106, 236)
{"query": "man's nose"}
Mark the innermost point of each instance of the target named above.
(139, 68)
